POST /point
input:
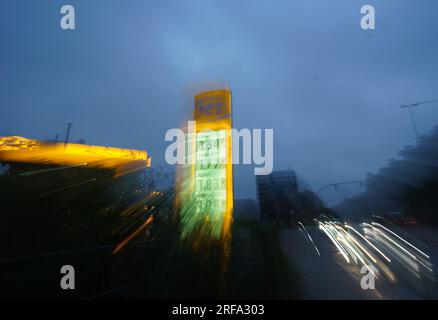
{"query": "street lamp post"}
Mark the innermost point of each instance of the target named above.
(335, 185)
(409, 106)
(360, 182)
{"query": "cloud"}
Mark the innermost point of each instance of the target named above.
(329, 90)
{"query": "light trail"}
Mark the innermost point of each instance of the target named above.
(412, 256)
(30, 173)
(341, 250)
(310, 238)
(368, 242)
(378, 246)
(125, 241)
(412, 246)
(67, 187)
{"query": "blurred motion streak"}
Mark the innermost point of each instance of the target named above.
(406, 254)
(125, 241)
(308, 237)
(67, 187)
(375, 242)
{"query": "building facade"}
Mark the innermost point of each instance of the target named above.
(276, 194)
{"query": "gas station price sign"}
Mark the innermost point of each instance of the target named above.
(213, 192)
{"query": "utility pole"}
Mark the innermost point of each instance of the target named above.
(67, 135)
(413, 121)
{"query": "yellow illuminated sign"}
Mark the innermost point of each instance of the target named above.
(213, 171)
(123, 161)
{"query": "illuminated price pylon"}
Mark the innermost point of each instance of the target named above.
(213, 170)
